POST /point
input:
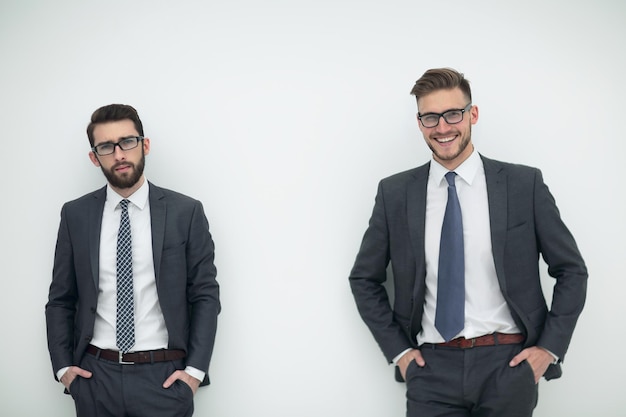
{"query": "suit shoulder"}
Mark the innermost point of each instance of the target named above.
(86, 199)
(509, 167)
(403, 177)
(171, 195)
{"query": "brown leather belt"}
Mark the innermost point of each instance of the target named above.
(147, 356)
(486, 340)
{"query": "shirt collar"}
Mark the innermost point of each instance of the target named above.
(466, 171)
(139, 198)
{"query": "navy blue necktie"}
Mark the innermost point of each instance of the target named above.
(125, 321)
(450, 313)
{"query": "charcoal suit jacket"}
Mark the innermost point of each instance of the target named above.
(525, 223)
(183, 254)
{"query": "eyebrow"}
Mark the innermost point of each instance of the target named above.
(118, 141)
(445, 111)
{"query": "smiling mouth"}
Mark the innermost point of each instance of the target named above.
(446, 139)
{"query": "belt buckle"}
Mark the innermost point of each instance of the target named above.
(469, 343)
(120, 360)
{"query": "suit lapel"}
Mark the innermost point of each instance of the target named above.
(95, 225)
(416, 220)
(497, 195)
(416, 209)
(157, 220)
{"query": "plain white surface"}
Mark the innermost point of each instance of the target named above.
(281, 116)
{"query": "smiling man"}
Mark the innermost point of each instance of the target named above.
(469, 330)
(133, 303)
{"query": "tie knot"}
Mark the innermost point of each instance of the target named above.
(124, 204)
(450, 178)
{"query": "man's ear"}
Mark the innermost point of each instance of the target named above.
(146, 146)
(474, 114)
(94, 158)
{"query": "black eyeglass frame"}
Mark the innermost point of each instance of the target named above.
(123, 140)
(440, 115)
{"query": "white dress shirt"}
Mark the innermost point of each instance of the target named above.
(486, 310)
(150, 330)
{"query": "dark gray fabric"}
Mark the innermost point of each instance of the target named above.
(117, 390)
(183, 254)
(525, 224)
(475, 382)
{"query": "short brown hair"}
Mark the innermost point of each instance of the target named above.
(113, 113)
(441, 79)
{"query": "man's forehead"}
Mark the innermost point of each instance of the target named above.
(441, 100)
(114, 131)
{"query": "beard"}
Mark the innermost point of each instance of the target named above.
(125, 180)
(463, 142)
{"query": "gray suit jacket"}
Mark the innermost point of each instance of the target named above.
(525, 223)
(183, 255)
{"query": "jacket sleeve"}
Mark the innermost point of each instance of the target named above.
(61, 306)
(366, 281)
(202, 291)
(565, 264)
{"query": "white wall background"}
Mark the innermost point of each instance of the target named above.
(281, 116)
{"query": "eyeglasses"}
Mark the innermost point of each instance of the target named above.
(451, 117)
(125, 144)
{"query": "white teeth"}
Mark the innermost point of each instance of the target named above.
(445, 140)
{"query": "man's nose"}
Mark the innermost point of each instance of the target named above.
(442, 125)
(119, 153)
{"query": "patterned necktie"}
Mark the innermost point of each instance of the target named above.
(125, 326)
(450, 313)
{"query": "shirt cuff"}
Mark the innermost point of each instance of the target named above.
(397, 358)
(196, 373)
(556, 358)
(62, 372)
